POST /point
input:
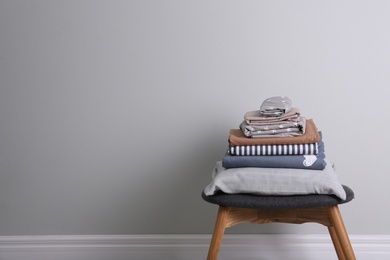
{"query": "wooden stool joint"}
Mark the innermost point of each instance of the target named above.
(327, 216)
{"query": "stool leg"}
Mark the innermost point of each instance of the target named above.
(336, 243)
(341, 232)
(219, 230)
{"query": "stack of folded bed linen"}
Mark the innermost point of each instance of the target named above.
(275, 151)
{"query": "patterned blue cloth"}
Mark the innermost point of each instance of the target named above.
(313, 162)
(274, 149)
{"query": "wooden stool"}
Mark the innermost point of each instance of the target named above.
(298, 209)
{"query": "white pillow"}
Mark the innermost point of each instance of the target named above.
(275, 181)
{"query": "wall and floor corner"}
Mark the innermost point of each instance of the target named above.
(113, 114)
(177, 247)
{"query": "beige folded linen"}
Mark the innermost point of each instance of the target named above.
(311, 135)
(256, 118)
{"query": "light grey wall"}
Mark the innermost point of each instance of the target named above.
(113, 113)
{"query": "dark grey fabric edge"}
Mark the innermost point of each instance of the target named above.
(278, 202)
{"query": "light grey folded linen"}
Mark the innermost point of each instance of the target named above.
(256, 118)
(275, 181)
(283, 128)
(276, 106)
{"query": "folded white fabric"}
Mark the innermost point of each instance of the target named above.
(275, 181)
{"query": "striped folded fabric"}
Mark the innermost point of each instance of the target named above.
(276, 149)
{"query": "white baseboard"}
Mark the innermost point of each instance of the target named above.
(183, 247)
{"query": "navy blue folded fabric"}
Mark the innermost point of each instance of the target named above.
(313, 162)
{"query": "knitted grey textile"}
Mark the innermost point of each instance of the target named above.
(277, 202)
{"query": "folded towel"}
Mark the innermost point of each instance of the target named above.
(256, 118)
(280, 129)
(275, 106)
(237, 137)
